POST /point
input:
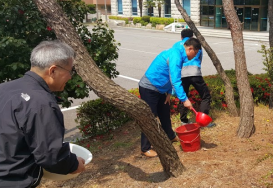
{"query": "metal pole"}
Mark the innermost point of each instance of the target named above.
(105, 10)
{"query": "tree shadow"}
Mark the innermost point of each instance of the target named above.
(139, 175)
(207, 145)
(114, 166)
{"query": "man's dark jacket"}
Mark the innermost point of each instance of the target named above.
(31, 133)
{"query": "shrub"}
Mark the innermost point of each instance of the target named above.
(126, 19)
(137, 20)
(154, 21)
(112, 17)
(130, 18)
(97, 117)
(22, 27)
(146, 18)
(268, 63)
(91, 8)
(174, 102)
(135, 91)
(260, 88)
(259, 84)
(165, 21)
(144, 23)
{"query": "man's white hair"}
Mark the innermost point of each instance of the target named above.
(48, 53)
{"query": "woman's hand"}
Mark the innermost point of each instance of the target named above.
(168, 99)
(188, 104)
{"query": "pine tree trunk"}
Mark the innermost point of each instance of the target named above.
(110, 91)
(271, 98)
(159, 10)
(246, 126)
(229, 93)
(270, 17)
(141, 7)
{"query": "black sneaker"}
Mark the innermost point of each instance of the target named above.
(211, 125)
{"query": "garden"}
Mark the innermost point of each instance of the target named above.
(224, 160)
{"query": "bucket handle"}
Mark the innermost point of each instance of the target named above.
(189, 142)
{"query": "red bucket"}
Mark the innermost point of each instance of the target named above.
(189, 136)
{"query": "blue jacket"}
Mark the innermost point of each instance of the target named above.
(180, 43)
(190, 67)
(164, 73)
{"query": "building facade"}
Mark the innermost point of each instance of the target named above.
(130, 8)
(101, 5)
(252, 13)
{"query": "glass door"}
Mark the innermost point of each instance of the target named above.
(240, 13)
(167, 8)
(207, 16)
(251, 18)
(218, 17)
(247, 18)
(255, 19)
(223, 21)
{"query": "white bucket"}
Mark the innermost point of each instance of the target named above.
(80, 152)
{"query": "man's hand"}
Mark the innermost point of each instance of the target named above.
(81, 166)
(188, 104)
(168, 99)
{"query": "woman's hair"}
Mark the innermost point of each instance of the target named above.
(193, 42)
(187, 33)
(48, 53)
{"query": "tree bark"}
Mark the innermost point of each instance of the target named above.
(141, 7)
(270, 17)
(159, 10)
(246, 125)
(229, 93)
(110, 91)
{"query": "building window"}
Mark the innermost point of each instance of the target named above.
(251, 13)
(207, 2)
(207, 15)
(134, 7)
(167, 8)
(187, 6)
(120, 7)
(218, 2)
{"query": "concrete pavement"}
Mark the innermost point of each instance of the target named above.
(262, 36)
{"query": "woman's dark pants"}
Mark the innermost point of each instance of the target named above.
(156, 101)
(201, 87)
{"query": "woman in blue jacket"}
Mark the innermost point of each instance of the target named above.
(191, 75)
(156, 86)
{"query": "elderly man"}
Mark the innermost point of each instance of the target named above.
(31, 123)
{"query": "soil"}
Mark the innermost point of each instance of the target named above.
(224, 160)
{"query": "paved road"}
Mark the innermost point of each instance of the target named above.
(140, 46)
